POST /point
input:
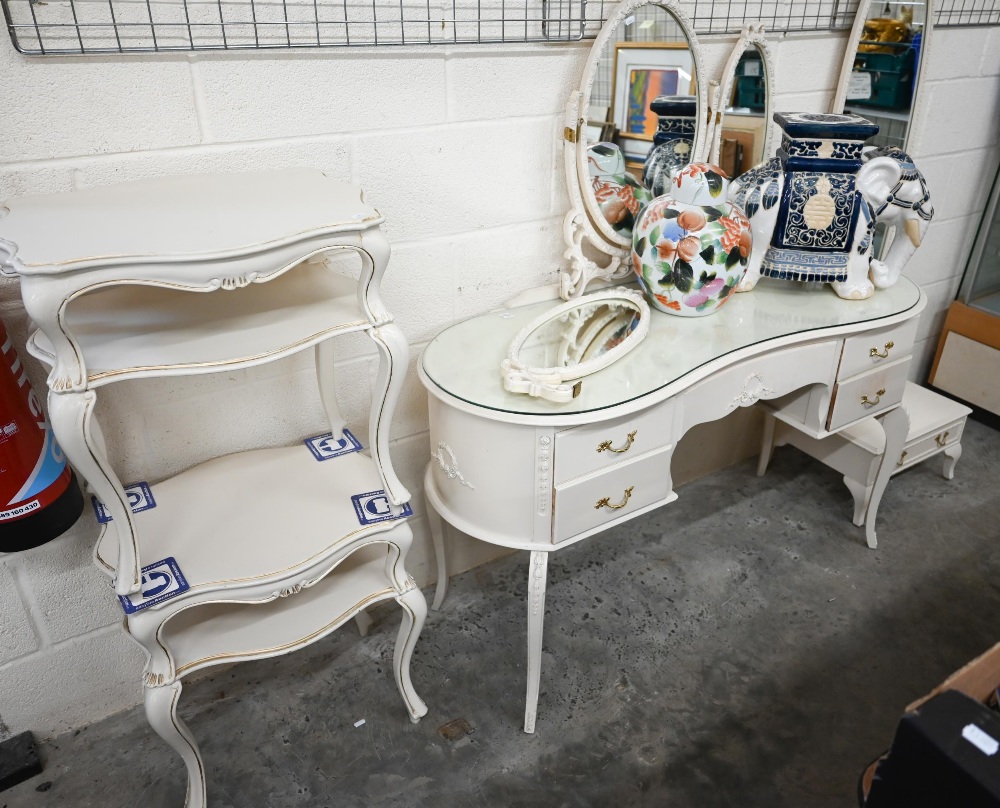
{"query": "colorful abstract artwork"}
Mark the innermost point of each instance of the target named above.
(645, 85)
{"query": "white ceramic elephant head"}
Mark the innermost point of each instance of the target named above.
(897, 192)
(888, 189)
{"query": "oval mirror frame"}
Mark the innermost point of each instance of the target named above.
(847, 67)
(751, 38)
(911, 146)
(584, 220)
(562, 383)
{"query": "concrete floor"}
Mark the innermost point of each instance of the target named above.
(741, 647)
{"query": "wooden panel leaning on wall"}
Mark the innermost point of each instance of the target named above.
(967, 360)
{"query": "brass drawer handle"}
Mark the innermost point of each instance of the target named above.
(902, 457)
(605, 446)
(941, 439)
(888, 347)
(606, 502)
(878, 397)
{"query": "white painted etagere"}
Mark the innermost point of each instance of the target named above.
(257, 553)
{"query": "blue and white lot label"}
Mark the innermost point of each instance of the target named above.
(140, 498)
(324, 447)
(374, 507)
(161, 581)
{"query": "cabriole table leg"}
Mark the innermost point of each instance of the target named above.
(161, 712)
(414, 613)
(895, 424)
(537, 574)
(437, 527)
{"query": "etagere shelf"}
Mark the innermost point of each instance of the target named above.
(256, 553)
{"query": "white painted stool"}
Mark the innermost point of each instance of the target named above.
(936, 425)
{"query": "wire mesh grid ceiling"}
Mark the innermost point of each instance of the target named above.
(54, 27)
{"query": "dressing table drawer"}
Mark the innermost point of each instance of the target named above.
(926, 445)
(586, 449)
(868, 394)
(877, 348)
(625, 488)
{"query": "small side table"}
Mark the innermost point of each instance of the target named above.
(256, 553)
(936, 425)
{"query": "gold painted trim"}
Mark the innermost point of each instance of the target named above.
(215, 659)
(194, 288)
(374, 530)
(230, 252)
(321, 335)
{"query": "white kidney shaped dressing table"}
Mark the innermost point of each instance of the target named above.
(256, 553)
(531, 474)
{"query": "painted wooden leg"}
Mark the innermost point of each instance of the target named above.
(45, 296)
(161, 712)
(363, 621)
(862, 496)
(766, 444)
(327, 389)
(951, 457)
(437, 528)
(374, 254)
(895, 424)
(414, 613)
(393, 355)
(71, 417)
(537, 573)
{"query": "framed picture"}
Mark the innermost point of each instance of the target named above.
(600, 131)
(643, 71)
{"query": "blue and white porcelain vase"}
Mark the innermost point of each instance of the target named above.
(820, 210)
(672, 142)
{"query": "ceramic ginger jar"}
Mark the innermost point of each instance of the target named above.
(619, 195)
(691, 247)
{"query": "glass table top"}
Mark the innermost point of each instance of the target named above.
(464, 359)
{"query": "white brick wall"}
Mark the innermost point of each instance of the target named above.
(459, 148)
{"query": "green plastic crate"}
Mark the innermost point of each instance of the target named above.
(892, 78)
(751, 93)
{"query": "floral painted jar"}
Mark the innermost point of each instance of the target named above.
(673, 141)
(691, 247)
(619, 195)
